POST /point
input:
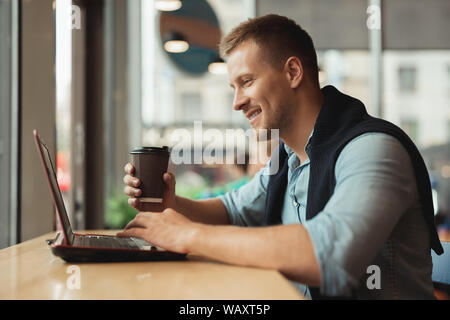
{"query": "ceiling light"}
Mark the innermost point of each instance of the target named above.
(174, 42)
(218, 66)
(168, 5)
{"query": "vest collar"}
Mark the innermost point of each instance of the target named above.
(338, 112)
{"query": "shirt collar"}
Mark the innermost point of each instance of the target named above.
(293, 161)
(307, 147)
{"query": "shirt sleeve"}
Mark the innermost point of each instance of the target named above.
(246, 205)
(375, 185)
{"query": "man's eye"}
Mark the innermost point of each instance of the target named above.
(247, 81)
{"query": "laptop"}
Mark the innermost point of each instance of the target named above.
(75, 247)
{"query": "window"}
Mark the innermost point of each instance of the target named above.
(172, 94)
(149, 95)
(407, 79)
(423, 113)
(448, 78)
(348, 71)
(448, 130)
(411, 127)
(191, 104)
(63, 73)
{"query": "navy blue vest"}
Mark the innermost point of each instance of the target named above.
(341, 119)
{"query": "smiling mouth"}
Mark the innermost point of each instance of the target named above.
(253, 115)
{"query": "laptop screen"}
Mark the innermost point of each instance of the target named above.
(55, 190)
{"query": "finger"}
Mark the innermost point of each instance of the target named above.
(134, 232)
(134, 224)
(171, 167)
(169, 179)
(129, 168)
(132, 192)
(135, 203)
(142, 220)
(131, 181)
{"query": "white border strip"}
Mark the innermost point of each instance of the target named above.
(154, 200)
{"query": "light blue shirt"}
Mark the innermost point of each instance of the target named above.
(373, 220)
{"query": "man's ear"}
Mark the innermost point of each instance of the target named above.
(294, 71)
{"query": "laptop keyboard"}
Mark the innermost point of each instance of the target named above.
(111, 242)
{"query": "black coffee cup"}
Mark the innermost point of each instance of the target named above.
(150, 164)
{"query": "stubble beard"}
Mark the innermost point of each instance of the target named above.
(281, 120)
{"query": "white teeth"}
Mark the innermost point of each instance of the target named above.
(255, 114)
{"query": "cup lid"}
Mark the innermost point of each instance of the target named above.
(164, 149)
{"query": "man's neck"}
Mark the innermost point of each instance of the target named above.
(303, 121)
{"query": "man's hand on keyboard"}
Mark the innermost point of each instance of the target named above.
(168, 229)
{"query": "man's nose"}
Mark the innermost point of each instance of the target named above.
(240, 100)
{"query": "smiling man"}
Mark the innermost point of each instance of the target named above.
(352, 191)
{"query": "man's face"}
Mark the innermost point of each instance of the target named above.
(262, 92)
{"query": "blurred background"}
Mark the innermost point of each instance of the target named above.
(99, 77)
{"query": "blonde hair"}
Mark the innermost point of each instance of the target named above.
(279, 38)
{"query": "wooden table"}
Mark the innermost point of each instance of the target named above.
(30, 271)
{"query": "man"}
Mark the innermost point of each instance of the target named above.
(351, 193)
